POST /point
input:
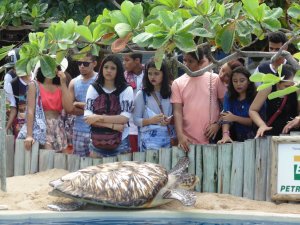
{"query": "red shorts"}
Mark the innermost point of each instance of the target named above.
(133, 141)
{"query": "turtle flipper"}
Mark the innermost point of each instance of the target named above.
(71, 206)
(187, 198)
(181, 165)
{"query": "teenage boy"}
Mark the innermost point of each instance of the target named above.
(134, 73)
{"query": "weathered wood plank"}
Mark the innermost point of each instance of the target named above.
(27, 161)
(46, 159)
(152, 156)
(34, 161)
(85, 162)
(165, 158)
(124, 157)
(224, 167)
(237, 169)
(210, 168)
(10, 152)
(269, 165)
(2, 140)
(110, 159)
(60, 161)
(177, 153)
(73, 162)
(19, 165)
(97, 161)
(261, 169)
(139, 156)
(199, 166)
(249, 168)
(192, 156)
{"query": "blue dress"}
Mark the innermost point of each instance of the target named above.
(239, 108)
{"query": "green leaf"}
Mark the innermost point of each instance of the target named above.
(225, 37)
(117, 16)
(158, 57)
(272, 24)
(98, 32)
(142, 39)
(21, 67)
(251, 6)
(274, 13)
(84, 32)
(297, 77)
(132, 12)
(270, 78)
(222, 9)
(256, 77)
(4, 50)
(202, 32)
(185, 42)
(166, 18)
(294, 11)
(264, 86)
(159, 41)
(122, 29)
(187, 24)
(283, 92)
(297, 56)
(48, 65)
(153, 28)
(87, 20)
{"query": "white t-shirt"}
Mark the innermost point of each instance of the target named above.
(126, 101)
(133, 129)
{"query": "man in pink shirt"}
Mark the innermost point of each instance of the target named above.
(196, 102)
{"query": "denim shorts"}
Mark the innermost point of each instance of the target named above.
(124, 147)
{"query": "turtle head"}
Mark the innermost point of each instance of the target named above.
(188, 181)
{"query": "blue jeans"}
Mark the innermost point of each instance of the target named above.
(124, 147)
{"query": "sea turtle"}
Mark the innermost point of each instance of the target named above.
(127, 184)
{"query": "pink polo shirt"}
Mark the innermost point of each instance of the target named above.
(194, 94)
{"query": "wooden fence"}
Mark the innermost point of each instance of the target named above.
(239, 168)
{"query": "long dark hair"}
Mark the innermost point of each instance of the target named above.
(165, 90)
(251, 90)
(41, 78)
(120, 81)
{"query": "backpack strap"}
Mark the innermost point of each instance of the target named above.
(12, 73)
(98, 88)
(15, 88)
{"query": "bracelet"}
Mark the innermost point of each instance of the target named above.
(226, 132)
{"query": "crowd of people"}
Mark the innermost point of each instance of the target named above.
(127, 106)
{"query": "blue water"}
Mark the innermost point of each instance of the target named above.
(139, 221)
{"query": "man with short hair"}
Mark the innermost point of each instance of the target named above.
(74, 100)
(15, 88)
(134, 73)
(276, 41)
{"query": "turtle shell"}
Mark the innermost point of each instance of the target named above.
(123, 184)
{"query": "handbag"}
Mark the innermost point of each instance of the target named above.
(173, 140)
(39, 121)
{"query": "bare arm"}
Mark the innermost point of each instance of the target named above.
(12, 116)
(94, 118)
(113, 126)
(31, 95)
(178, 117)
(228, 116)
(226, 134)
(254, 111)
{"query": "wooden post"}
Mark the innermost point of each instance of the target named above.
(249, 168)
(210, 168)
(165, 158)
(85, 162)
(152, 156)
(10, 152)
(269, 165)
(34, 161)
(237, 169)
(261, 169)
(60, 161)
(110, 159)
(2, 140)
(19, 167)
(199, 166)
(177, 153)
(192, 156)
(46, 160)
(224, 168)
(139, 156)
(124, 157)
(73, 162)
(97, 161)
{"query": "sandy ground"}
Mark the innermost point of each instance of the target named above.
(30, 193)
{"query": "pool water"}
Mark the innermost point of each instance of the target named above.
(143, 218)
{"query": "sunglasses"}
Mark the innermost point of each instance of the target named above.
(85, 64)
